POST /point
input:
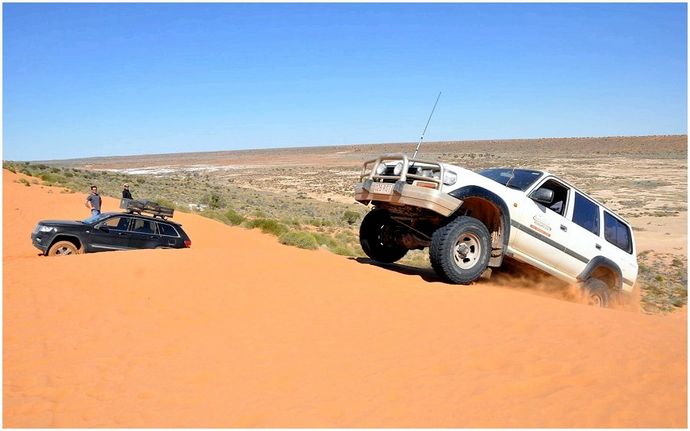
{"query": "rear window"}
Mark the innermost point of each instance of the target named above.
(166, 229)
(586, 214)
(617, 233)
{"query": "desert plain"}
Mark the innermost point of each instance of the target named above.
(242, 331)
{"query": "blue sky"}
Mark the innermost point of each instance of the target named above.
(84, 80)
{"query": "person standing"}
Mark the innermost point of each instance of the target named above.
(93, 202)
(125, 192)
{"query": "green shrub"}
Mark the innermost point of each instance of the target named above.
(165, 203)
(25, 182)
(299, 239)
(327, 240)
(350, 217)
(234, 217)
(216, 201)
(342, 250)
(48, 178)
(268, 226)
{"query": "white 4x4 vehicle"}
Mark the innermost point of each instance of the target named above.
(471, 221)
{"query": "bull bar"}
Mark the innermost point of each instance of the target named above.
(369, 188)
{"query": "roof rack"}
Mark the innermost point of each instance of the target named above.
(146, 206)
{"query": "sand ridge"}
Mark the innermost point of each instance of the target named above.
(240, 331)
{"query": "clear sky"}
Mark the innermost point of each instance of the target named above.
(84, 80)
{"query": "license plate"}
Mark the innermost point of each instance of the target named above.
(382, 188)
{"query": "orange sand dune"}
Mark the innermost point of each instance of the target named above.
(240, 331)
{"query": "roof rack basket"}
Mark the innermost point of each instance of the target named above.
(146, 206)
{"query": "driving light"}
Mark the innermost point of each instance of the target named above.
(450, 178)
(398, 168)
(381, 169)
(46, 229)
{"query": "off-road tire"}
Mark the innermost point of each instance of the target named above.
(63, 248)
(460, 250)
(596, 292)
(377, 237)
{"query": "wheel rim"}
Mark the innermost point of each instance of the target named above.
(467, 250)
(63, 251)
(594, 300)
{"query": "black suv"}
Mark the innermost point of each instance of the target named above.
(107, 231)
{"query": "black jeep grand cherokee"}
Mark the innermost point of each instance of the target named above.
(108, 231)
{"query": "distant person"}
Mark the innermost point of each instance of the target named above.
(93, 202)
(125, 192)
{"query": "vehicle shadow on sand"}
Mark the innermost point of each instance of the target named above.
(426, 274)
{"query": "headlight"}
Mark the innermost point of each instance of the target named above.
(398, 168)
(381, 169)
(450, 178)
(45, 228)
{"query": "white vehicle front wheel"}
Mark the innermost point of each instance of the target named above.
(460, 251)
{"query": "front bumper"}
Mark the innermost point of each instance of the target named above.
(406, 194)
(40, 242)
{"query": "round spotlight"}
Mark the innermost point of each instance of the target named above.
(398, 168)
(381, 169)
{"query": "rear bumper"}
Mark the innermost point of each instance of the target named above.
(406, 194)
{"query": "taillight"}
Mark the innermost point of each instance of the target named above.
(187, 243)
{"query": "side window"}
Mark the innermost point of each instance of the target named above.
(166, 229)
(617, 233)
(117, 223)
(560, 196)
(142, 226)
(586, 214)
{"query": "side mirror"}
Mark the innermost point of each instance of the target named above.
(542, 195)
(104, 228)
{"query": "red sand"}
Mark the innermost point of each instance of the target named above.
(240, 331)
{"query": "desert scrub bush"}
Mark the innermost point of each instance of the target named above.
(350, 217)
(165, 202)
(320, 222)
(327, 240)
(291, 222)
(9, 166)
(269, 226)
(299, 239)
(664, 285)
(24, 181)
(233, 217)
(342, 250)
(216, 201)
(49, 178)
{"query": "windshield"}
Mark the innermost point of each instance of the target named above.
(95, 219)
(519, 179)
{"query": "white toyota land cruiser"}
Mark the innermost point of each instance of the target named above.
(471, 221)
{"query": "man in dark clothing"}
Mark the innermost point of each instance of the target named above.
(125, 192)
(93, 202)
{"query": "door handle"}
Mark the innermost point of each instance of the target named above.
(598, 246)
(122, 234)
(564, 228)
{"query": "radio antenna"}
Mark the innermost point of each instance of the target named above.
(427, 125)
